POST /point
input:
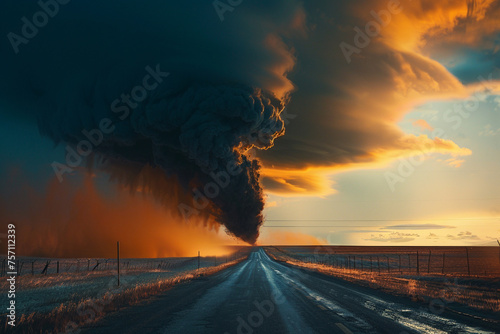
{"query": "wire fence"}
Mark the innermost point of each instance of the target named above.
(472, 261)
(54, 266)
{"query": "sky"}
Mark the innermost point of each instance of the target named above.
(188, 125)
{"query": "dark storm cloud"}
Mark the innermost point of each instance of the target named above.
(211, 90)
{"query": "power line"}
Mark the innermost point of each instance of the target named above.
(417, 200)
(380, 220)
(318, 226)
(485, 220)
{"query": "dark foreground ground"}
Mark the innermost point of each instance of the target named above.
(260, 295)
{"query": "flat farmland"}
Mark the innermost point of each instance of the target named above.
(450, 277)
(461, 261)
(54, 293)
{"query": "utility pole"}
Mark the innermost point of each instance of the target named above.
(499, 250)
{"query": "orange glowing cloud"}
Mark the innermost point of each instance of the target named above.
(422, 124)
(316, 181)
(409, 145)
(419, 21)
(308, 182)
(453, 162)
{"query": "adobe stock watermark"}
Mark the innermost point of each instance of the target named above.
(89, 310)
(223, 6)
(447, 295)
(263, 310)
(30, 28)
(455, 115)
(122, 108)
(362, 39)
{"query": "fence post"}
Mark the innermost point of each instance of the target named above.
(468, 263)
(118, 260)
(442, 269)
(44, 271)
(96, 265)
(418, 265)
(429, 262)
